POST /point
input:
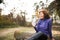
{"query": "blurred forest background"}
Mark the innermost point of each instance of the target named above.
(9, 22)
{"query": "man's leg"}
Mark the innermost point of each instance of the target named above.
(38, 36)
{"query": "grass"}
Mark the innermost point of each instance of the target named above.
(10, 36)
(7, 37)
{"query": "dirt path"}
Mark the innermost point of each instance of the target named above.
(12, 30)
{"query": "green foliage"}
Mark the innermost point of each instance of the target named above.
(5, 22)
(58, 12)
(8, 20)
(55, 5)
(21, 20)
(51, 6)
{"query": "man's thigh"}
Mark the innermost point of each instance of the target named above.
(38, 36)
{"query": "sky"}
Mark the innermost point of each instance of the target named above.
(24, 5)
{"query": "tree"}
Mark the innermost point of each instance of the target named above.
(23, 14)
(57, 3)
(54, 7)
(51, 7)
(37, 5)
(0, 11)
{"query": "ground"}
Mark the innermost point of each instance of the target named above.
(8, 33)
